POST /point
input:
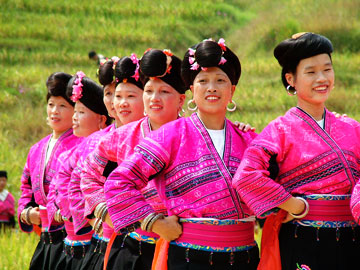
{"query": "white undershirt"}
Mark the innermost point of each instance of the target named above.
(49, 150)
(321, 123)
(3, 195)
(218, 139)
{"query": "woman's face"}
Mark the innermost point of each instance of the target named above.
(128, 102)
(3, 181)
(109, 94)
(162, 102)
(59, 114)
(313, 81)
(212, 91)
(85, 121)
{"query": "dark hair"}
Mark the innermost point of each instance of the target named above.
(301, 46)
(106, 72)
(56, 85)
(208, 54)
(125, 70)
(154, 64)
(3, 174)
(92, 96)
(92, 54)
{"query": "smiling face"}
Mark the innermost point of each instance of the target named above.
(85, 121)
(162, 102)
(313, 81)
(212, 91)
(128, 102)
(59, 113)
(109, 94)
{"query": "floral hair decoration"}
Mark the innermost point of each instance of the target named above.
(135, 61)
(192, 60)
(77, 86)
(115, 60)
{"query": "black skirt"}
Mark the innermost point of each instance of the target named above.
(319, 248)
(73, 259)
(180, 258)
(133, 255)
(49, 251)
(94, 259)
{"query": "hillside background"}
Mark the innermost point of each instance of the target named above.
(40, 37)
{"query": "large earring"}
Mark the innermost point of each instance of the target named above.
(233, 108)
(291, 90)
(182, 114)
(145, 114)
(188, 105)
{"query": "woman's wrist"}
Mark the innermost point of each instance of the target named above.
(304, 212)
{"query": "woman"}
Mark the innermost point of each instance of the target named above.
(7, 204)
(40, 169)
(163, 98)
(90, 115)
(191, 162)
(304, 164)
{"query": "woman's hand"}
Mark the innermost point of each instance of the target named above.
(168, 228)
(294, 206)
(244, 127)
(34, 216)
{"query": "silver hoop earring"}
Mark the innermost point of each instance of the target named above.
(145, 114)
(291, 90)
(188, 105)
(233, 108)
(182, 114)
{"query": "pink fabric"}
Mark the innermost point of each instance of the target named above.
(107, 231)
(7, 208)
(294, 155)
(190, 176)
(57, 197)
(76, 197)
(114, 147)
(338, 210)
(235, 235)
(44, 220)
(355, 203)
(36, 178)
(69, 227)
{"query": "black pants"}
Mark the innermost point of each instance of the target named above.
(73, 259)
(319, 249)
(94, 259)
(49, 251)
(134, 255)
(180, 258)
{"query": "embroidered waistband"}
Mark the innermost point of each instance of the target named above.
(143, 238)
(76, 243)
(328, 211)
(217, 235)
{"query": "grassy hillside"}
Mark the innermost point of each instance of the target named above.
(40, 37)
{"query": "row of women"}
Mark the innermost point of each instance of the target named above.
(156, 190)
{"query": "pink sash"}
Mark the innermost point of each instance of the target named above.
(233, 235)
(71, 236)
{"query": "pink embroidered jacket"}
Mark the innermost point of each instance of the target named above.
(76, 197)
(116, 146)
(36, 178)
(293, 155)
(190, 176)
(7, 206)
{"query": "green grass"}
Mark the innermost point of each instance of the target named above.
(40, 37)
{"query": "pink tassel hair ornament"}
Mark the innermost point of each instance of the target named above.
(77, 87)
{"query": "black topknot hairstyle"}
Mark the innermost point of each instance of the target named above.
(56, 85)
(208, 53)
(92, 96)
(300, 46)
(106, 72)
(125, 70)
(154, 64)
